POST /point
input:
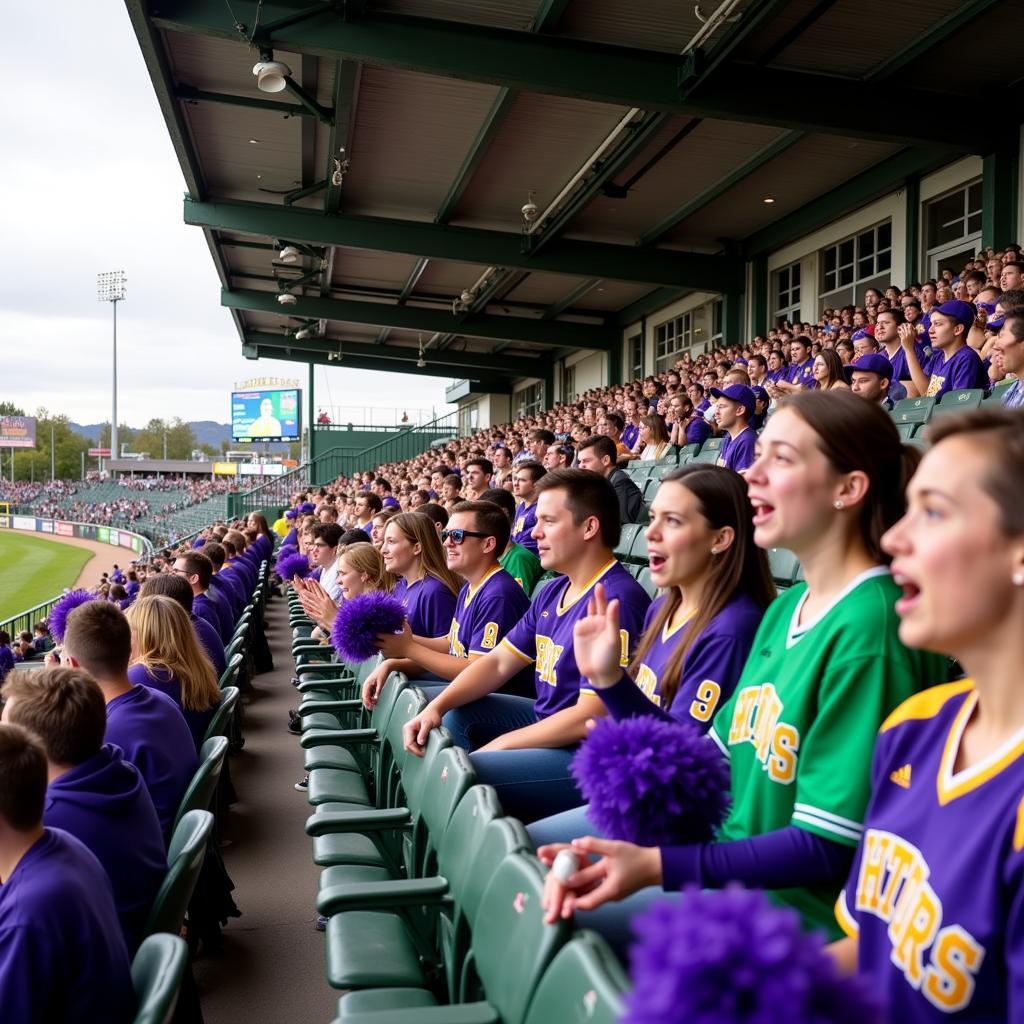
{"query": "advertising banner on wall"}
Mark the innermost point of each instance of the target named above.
(17, 432)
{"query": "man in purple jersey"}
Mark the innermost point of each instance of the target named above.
(62, 956)
(196, 569)
(221, 590)
(887, 334)
(93, 792)
(147, 725)
(735, 409)
(800, 373)
(954, 365)
(524, 747)
(490, 603)
(869, 378)
(524, 487)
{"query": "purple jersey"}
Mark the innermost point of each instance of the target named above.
(802, 374)
(698, 430)
(544, 634)
(429, 605)
(934, 895)
(900, 369)
(630, 433)
(209, 640)
(522, 525)
(62, 955)
(149, 728)
(711, 666)
(737, 453)
(161, 679)
(485, 614)
(961, 370)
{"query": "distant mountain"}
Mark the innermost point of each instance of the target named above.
(207, 432)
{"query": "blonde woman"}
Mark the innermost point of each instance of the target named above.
(654, 437)
(360, 571)
(167, 657)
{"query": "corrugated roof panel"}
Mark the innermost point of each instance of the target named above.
(698, 162)
(363, 268)
(836, 42)
(812, 167)
(443, 277)
(412, 132)
(544, 289)
(543, 142)
(665, 25)
(611, 295)
(514, 14)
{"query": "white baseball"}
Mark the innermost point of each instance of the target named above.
(566, 865)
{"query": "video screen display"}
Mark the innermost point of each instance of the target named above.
(265, 415)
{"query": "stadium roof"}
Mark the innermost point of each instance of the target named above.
(411, 133)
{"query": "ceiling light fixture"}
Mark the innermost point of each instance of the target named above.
(302, 333)
(271, 75)
(768, 199)
(254, 142)
(289, 254)
(287, 299)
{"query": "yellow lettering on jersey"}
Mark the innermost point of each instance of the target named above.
(490, 636)
(455, 648)
(548, 653)
(756, 719)
(520, 522)
(935, 385)
(623, 647)
(949, 979)
(647, 681)
(704, 704)
(893, 885)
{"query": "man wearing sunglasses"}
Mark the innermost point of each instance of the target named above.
(489, 604)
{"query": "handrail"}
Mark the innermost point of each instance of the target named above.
(339, 461)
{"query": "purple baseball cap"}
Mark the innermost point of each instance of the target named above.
(870, 362)
(307, 508)
(957, 309)
(739, 393)
(290, 513)
(862, 332)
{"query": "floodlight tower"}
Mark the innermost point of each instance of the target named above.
(110, 287)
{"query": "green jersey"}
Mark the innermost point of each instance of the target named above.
(523, 566)
(800, 728)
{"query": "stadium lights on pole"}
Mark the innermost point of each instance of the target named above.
(110, 287)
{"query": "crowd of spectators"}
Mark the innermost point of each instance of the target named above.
(948, 333)
(22, 492)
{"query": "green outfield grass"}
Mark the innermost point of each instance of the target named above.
(34, 570)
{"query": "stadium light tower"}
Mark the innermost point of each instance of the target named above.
(110, 287)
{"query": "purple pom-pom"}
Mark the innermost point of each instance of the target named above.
(293, 565)
(731, 956)
(361, 620)
(652, 782)
(287, 549)
(58, 617)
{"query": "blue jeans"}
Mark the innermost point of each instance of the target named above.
(563, 828)
(531, 783)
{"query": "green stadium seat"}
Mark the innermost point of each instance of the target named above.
(651, 487)
(585, 984)
(639, 471)
(784, 566)
(157, 970)
(687, 452)
(184, 858)
(638, 552)
(957, 401)
(645, 581)
(199, 795)
(712, 444)
(234, 666)
(913, 410)
(906, 430)
(222, 716)
(706, 456)
(626, 538)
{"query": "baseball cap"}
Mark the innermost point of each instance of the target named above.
(759, 393)
(739, 393)
(307, 508)
(290, 514)
(861, 333)
(995, 323)
(957, 309)
(870, 362)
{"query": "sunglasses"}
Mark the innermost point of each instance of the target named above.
(458, 536)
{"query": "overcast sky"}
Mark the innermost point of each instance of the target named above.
(89, 183)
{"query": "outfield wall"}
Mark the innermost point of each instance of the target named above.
(118, 539)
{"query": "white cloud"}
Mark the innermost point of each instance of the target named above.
(90, 183)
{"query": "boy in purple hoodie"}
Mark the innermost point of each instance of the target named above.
(93, 793)
(62, 957)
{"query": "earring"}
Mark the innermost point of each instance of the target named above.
(838, 504)
(1018, 579)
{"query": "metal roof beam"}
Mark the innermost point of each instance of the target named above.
(648, 80)
(433, 321)
(385, 358)
(346, 90)
(469, 245)
(570, 300)
(192, 95)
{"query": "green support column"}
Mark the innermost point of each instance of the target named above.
(615, 363)
(732, 318)
(913, 227)
(311, 416)
(759, 295)
(999, 198)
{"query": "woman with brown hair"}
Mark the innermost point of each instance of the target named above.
(654, 437)
(426, 586)
(828, 371)
(166, 656)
